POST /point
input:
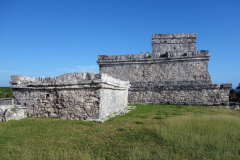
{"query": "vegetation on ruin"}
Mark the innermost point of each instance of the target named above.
(6, 92)
(147, 132)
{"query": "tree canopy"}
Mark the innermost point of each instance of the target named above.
(234, 95)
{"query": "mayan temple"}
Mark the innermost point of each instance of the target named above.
(174, 73)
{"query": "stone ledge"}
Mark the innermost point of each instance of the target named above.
(175, 35)
(151, 60)
(69, 80)
(171, 82)
(154, 55)
(68, 86)
(156, 86)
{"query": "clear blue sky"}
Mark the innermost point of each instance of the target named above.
(50, 38)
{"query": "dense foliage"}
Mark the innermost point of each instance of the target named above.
(234, 95)
(147, 132)
(6, 92)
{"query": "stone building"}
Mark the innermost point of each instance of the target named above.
(174, 73)
(80, 96)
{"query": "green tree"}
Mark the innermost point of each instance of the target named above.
(231, 95)
(6, 92)
(238, 87)
(238, 95)
(234, 95)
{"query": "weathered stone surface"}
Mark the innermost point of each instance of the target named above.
(168, 56)
(180, 94)
(8, 112)
(159, 71)
(174, 43)
(6, 101)
(80, 96)
(173, 73)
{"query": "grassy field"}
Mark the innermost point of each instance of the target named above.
(6, 92)
(147, 132)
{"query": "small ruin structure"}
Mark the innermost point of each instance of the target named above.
(74, 96)
(8, 110)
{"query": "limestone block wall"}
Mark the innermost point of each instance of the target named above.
(10, 111)
(190, 94)
(145, 71)
(6, 101)
(109, 99)
(175, 72)
(175, 43)
(78, 96)
(3, 110)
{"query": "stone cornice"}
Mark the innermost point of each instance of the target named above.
(175, 35)
(146, 86)
(70, 80)
(153, 57)
(153, 60)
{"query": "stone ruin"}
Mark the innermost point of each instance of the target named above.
(79, 96)
(8, 110)
(174, 73)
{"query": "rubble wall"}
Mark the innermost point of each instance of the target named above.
(6, 101)
(70, 96)
(10, 111)
(191, 94)
(76, 103)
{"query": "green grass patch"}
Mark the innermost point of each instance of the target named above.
(142, 116)
(176, 114)
(212, 136)
(121, 129)
(159, 117)
(182, 132)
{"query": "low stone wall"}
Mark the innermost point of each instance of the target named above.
(80, 96)
(179, 93)
(8, 112)
(6, 101)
